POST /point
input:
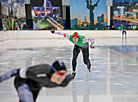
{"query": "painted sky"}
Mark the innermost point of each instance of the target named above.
(16, 3)
(124, 0)
(79, 10)
(9, 1)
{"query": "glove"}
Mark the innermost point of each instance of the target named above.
(92, 47)
(52, 31)
(67, 80)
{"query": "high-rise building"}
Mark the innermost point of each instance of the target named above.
(76, 21)
(95, 22)
(102, 19)
(86, 19)
(130, 2)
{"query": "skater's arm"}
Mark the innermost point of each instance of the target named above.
(61, 33)
(38, 73)
(120, 28)
(9, 74)
(16, 72)
(92, 40)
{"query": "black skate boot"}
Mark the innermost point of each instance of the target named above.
(89, 65)
(73, 75)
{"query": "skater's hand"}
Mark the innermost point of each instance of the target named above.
(92, 47)
(52, 31)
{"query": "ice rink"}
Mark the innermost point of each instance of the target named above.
(113, 76)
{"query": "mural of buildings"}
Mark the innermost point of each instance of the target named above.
(9, 8)
(79, 10)
(20, 12)
(102, 19)
(125, 12)
(95, 22)
(76, 22)
(86, 19)
(4, 11)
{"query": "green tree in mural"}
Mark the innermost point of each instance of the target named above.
(91, 8)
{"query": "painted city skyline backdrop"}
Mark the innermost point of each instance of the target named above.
(15, 4)
(78, 9)
(126, 13)
(125, 0)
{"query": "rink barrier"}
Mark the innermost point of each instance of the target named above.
(45, 34)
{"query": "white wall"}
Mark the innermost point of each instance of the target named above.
(108, 15)
(12, 35)
(27, 1)
(66, 2)
(29, 39)
(64, 12)
(109, 2)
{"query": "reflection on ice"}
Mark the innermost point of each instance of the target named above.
(113, 77)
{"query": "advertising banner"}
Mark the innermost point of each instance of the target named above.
(125, 12)
(52, 19)
(88, 14)
(13, 14)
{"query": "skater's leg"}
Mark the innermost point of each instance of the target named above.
(35, 94)
(25, 93)
(76, 51)
(86, 60)
(125, 34)
(9, 74)
(122, 34)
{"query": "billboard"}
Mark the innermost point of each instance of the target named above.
(88, 14)
(125, 12)
(10, 8)
(13, 14)
(49, 19)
